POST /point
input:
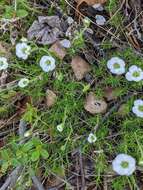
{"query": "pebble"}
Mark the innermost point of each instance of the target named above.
(100, 20)
(98, 7)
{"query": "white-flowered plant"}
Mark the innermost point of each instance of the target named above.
(65, 43)
(137, 109)
(116, 65)
(27, 134)
(47, 63)
(23, 82)
(23, 50)
(91, 138)
(134, 74)
(100, 20)
(124, 164)
(3, 63)
(60, 127)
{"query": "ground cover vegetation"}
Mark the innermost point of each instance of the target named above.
(71, 100)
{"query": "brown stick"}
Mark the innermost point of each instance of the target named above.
(82, 171)
(37, 183)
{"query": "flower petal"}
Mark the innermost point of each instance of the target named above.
(133, 68)
(129, 76)
(138, 102)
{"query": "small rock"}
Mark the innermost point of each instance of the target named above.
(100, 20)
(58, 50)
(89, 78)
(80, 67)
(50, 98)
(65, 43)
(70, 20)
(94, 105)
(98, 7)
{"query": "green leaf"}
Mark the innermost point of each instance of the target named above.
(5, 154)
(21, 13)
(14, 146)
(25, 159)
(9, 12)
(4, 167)
(35, 156)
(15, 162)
(36, 141)
(30, 114)
(59, 170)
(28, 146)
(44, 153)
(19, 153)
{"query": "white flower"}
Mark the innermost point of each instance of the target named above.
(100, 20)
(47, 63)
(137, 109)
(3, 63)
(91, 138)
(134, 74)
(65, 43)
(98, 7)
(23, 82)
(116, 65)
(23, 50)
(124, 164)
(27, 133)
(60, 127)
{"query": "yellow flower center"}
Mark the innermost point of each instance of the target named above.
(141, 108)
(116, 66)
(136, 74)
(124, 164)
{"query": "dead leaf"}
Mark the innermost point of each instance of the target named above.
(50, 98)
(58, 50)
(2, 143)
(5, 50)
(95, 105)
(2, 49)
(46, 30)
(80, 67)
(90, 2)
(110, 94)
(3, 78)
(13, 36)
(53, 182)
(21, 104)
